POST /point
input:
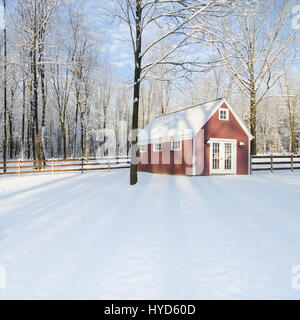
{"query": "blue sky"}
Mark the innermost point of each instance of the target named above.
(116, 47)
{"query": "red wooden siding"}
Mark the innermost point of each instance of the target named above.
(227, 129)
(168, 161)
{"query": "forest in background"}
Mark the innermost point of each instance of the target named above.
(60, 93)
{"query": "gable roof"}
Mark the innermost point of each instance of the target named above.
(184, 123)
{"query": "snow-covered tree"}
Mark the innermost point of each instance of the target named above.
(253, 41)
(150, 23)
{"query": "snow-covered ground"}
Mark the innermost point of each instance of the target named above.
(94, 236)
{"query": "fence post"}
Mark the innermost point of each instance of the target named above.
(251, 159)
(292, 162)
(271, 163)
(108, 163)
(52, 165)
(81, 165)
(19, 167)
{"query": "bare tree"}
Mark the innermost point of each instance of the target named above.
(105, 93)
(252, 41)
(32, 23)
(168, 19)
(62, 84)
(84, 55)
(290, 99)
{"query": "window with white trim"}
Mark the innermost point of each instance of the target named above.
(176, 145)
(143, 148)
(157, 147)
(223, 114)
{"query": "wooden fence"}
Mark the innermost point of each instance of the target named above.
(68, 165)
(258, 163)
(275, 162)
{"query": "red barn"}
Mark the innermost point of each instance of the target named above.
(205, 139)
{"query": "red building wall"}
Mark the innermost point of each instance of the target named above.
(226, 129)
(168, 161)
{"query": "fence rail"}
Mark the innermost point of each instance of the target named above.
(58, 165)
(20, 167)
(275, 162)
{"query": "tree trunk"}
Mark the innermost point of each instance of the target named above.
(128, 133)
(103, 143)
(28, 139)
(253, 126)
(51, 140)
(43, 91)
(5, 90)
(10, 125)
(63, 129)
(33, 141)
(82, 134)
(292, 126)
(41, 70)
(253, 106)
(76, 122)
(34, 74)
(136, 93)
(23, 119)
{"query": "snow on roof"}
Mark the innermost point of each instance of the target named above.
(180, 123)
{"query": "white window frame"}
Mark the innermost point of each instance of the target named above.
(227, 114)
(172, 144)
(154, 147)
(141, 148)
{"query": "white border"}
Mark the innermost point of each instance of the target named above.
(227, 114)
(176, 140)
(234, 158)
(154, 149)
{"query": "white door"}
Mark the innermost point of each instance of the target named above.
(222, 156)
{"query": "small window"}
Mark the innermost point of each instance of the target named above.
(143, 148)
(157, 147)
(223, 114)
(176, 145)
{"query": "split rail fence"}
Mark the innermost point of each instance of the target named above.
(68, 165)
(275, 162)
(258, 163)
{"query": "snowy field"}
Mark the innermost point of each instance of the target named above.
(69, 236)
